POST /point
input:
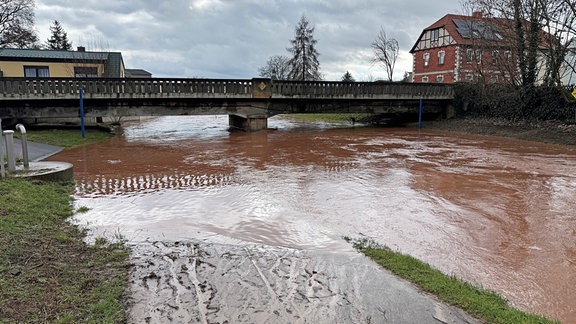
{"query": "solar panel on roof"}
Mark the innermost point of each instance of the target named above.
(476, 29)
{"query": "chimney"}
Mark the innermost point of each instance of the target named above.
(81, 49)
(477, 14)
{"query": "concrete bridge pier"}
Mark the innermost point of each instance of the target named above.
(248, 123)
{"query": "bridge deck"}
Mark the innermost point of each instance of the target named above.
(59, 97)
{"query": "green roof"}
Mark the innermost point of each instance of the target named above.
(52, 55)
(113, 65)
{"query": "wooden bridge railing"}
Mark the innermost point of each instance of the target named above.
(23, 88)
(327, 89)
(59, 86)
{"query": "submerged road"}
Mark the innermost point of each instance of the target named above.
(200, 282)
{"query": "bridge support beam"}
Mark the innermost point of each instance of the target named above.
(248, 123)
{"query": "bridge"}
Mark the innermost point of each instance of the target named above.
(248, 102)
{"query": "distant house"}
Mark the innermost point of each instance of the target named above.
(33, 63)
(570, 75)
(137, 73)
(460, 48)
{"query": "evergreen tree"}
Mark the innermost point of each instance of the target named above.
(347, 77)
(304, 64)
(59, 38)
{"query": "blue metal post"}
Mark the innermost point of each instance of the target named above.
(82, 112)
(420, 114)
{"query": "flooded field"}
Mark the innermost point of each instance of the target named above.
(496, 212)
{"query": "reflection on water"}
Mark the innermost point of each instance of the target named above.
(102, 186)
(496, 212)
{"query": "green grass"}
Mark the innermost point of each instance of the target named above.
(67, 137)
(47, 273)
(478, 302)
(329, 118)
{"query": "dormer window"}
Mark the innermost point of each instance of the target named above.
(435, 35)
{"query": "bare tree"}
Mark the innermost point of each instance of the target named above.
(277, 67)
(386, 52)
(17, 24)
(542, 31)
(304, 64)
(559, 21)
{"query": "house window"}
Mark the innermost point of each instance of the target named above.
(494, 78)
(426, 59)
(507, 55)
(36, 72)
(469, 55)
(425, 79)
(435, 35)
(495, 55)
(479, 56)
(85, 72)
(439, 79)
(469, 77)
(441, 56)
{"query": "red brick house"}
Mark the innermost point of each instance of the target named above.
(460, 48)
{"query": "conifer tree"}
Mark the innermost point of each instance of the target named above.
(304, 64)
(59, 38)
(347, 77)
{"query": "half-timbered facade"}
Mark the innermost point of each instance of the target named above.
(460, 48)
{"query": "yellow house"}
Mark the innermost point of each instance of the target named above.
(33, 63)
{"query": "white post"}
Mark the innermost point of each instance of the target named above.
(9, 139)
(24, 140)
(2, 171)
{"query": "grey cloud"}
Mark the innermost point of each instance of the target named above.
(232, 38)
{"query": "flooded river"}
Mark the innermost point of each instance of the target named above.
(499, 213)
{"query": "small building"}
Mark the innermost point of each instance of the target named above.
(36, 63)
(137, 73)
(459, 48)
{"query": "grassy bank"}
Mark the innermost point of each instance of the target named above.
(67, 137)
(553, 132)
(327, 118)
(482, 304)
(47, 272)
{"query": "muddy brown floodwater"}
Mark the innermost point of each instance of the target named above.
(499, 213)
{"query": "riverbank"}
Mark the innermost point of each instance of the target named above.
(48, 274)
(552, 132)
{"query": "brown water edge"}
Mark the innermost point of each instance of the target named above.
(493, 211)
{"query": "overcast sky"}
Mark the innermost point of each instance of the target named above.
(231, 39)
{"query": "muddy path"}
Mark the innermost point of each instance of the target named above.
(200, 282)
